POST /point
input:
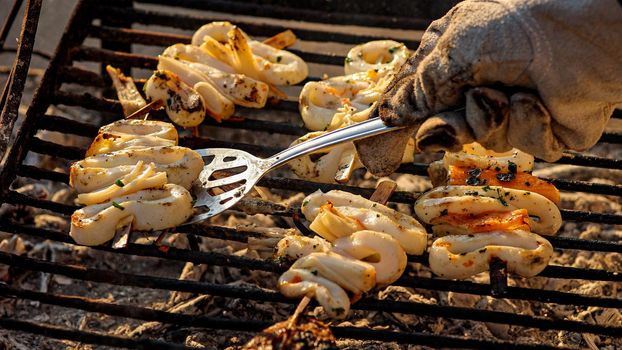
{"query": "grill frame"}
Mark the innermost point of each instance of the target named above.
(61, 71)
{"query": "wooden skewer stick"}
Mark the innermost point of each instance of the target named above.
(498, 277)
(122, 235)
(383, 192)
(381, 195)
(299, 309)
(143, 111)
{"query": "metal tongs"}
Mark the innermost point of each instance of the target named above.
(217, 192)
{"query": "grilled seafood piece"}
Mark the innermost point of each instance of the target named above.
(474, 155)
(463, 224)
(325, 168)
(296, 283)
(132, 134)
(240, 89)
(229, 44)
(491, 177)
(296, 246)
(184, 105)
(319, 101)
(307, 333)
(378, 249)
(352, 275)
(446, 201)
(476, 166)
(337, 214)
(181, 165)
(368, 248)
(462, 256)
(145, 210)
(369, 68)
(377, 55)
(143, 176)
(128, 94)
(217, 105)
(192, 53)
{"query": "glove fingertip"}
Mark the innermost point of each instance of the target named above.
(443, 132)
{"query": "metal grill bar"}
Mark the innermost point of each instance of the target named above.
(344, 332)
(40, 102)
(192, 22)
(213, 258)
(14, 88)
(142, 281)
(365, 304)
(88, 337)
(299, 14)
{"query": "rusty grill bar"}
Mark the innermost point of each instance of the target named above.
(62, 71)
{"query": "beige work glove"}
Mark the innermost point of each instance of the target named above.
(538, 75)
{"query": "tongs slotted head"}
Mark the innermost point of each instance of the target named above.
(229, 174)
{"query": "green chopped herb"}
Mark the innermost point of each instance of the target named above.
(486, 188)
(348, 60)
(501, 199)
(512, 167)
(278, 59)
(393, 49)
(117, 205)
(119, 183)
(305, 203)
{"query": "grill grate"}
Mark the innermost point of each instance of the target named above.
(62, 70)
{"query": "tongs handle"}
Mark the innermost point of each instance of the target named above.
(370, 127)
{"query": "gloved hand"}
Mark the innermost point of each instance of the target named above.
(538, 75)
